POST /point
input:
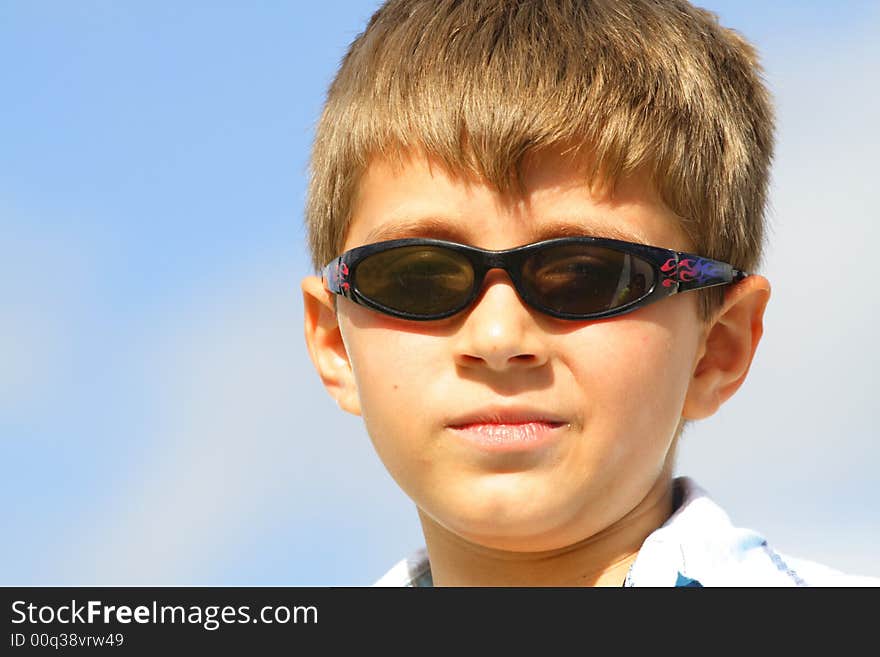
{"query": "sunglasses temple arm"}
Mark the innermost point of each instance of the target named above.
(693, 272)
(335, 277)
(327, 279)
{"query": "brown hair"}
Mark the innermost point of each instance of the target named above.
(481, 84)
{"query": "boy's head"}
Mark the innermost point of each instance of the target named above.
(495, 124)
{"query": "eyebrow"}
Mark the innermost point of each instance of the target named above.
(447, 229)
(433, 227)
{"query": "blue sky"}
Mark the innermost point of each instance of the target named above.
(160, 422)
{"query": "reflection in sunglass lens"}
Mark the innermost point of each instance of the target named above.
(420, 280)
(581, 278)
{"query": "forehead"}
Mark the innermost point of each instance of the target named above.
(418, 197)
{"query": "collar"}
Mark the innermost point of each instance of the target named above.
(699, 546)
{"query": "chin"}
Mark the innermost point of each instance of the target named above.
(513, 525)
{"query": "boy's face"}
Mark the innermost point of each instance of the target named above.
(605, 396)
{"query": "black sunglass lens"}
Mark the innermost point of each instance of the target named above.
(581, 279)
(418, 280)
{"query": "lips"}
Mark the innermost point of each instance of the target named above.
(508, 430)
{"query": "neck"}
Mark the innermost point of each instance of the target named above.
(602, 559)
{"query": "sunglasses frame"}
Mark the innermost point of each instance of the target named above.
(674, 272)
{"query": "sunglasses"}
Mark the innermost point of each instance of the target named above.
(575, 278)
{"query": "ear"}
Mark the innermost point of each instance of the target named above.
(326, 347)
(729, 344)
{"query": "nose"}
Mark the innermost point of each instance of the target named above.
(499, 331)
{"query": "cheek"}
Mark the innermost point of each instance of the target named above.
(637, 375)
(386, 369)
(393, 370)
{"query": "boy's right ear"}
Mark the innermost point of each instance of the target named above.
(326, 347)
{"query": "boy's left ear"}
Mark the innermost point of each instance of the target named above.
(729, 344)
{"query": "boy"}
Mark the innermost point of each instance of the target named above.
(537, 225)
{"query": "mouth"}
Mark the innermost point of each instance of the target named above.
(505, 430)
